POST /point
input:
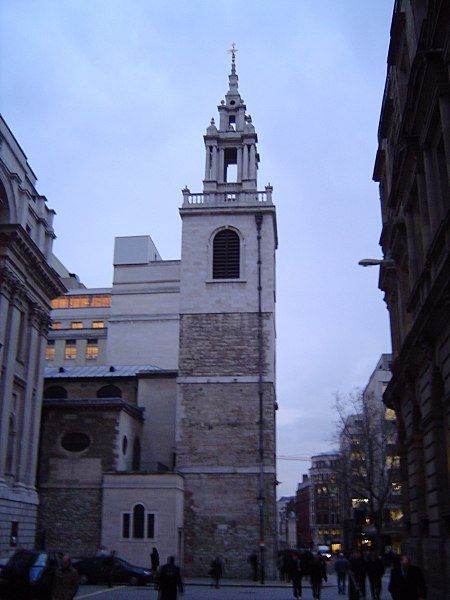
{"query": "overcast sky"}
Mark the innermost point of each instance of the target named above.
(110, 100)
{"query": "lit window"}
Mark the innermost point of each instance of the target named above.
(98, 324)
(101, 301)
(396, 514)
(76, 325)
(56, 325)
(62, 302)
(392, 462)
(70, 351)
(78, 301)
(50, 350)
(396, 489)
(92, 349)
(389, 414)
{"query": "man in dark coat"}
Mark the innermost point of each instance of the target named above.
(295, 575)
(341, 567)
(253, 560)
(407, 582)
(375, 571)
(216, 571)
(357, 577)
(318, 572)
(169, 581)
(154, 560)
(65, 581)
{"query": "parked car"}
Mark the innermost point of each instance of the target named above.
(28, 574)
(95, 570)
(324, 551)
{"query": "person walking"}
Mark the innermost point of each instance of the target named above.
(318, 573)
(154, 560)
(407, 581)
(295, 576)
(357, 577)
(341, 567)
(216, 571)
(65, 580)
(375, 572)
(253, 560)
(169, 581)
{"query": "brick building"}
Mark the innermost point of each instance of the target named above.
(412, 168)
(179, 355)
(324, 501)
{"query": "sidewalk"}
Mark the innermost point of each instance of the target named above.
(242, 583)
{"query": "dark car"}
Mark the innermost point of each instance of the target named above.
(96, 570)
(28, 574)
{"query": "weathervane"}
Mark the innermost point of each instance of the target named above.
(233, 51)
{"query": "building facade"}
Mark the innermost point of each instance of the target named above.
(181, 356)
(302, 511)
(226, 402)
(412, 168)
(324, 501)
(27, 284)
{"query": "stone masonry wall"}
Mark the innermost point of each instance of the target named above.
(219, 424)
(221, 344)
(222, 519)
(70, 520)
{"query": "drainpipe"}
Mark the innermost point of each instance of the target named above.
(261, 496)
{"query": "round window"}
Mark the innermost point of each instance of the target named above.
(232, 102)
(75, 441)
(124, 444)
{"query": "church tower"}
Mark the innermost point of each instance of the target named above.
(226, 401)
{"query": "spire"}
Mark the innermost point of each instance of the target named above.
(233, 78)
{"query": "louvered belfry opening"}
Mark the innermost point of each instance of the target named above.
(226, 255)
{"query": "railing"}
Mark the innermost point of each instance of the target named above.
(227, 198)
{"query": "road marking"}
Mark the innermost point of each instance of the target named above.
(100, 592)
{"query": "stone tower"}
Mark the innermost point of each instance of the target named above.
(226, 387)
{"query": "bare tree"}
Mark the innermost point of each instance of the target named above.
(366, 468)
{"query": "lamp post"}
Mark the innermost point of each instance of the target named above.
(388, 263)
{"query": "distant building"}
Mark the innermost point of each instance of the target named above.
(412, 168)
(286, 523)
(302, 510)
(371, 493)
(324, 501)
(27, 284)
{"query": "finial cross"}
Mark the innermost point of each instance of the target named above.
(233, 51)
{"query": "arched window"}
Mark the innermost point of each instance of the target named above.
(55, 392)
(136, 464)
(11, 446)
(109, 391)
(226, 255)
(4, 208)
(138, 521)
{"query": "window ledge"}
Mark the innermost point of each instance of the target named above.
(225, 281)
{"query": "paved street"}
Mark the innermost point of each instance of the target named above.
(196, 592)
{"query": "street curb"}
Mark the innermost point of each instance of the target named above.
(249, 585)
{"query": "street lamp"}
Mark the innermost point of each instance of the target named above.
(373, 262)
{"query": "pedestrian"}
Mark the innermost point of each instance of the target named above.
(154, 560)
(253, 560)
(169, 581)
(65, 580)
(216, 571)
(318, 573)
(295, 576)
(375, 572)
(108, 568)
(357, 577)
(341, 567)
(407, 581)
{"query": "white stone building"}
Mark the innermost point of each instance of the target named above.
(27, 284)
(160, 391)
